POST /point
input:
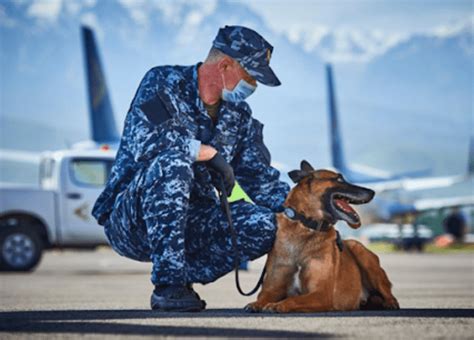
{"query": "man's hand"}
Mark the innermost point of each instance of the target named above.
(206, 152)
(219, 165)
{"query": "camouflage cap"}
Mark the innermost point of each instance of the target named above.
(250, 49)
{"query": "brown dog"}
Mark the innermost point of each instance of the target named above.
(309, 268)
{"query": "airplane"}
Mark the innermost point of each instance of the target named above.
(392, 202)
(104, 133)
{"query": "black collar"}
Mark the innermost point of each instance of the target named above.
(323, 226)
(292, 214)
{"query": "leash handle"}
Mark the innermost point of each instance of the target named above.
(225, 205)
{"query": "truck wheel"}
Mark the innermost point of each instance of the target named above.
(20, 249)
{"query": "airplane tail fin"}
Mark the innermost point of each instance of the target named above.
(355, 173)
(470, 164)
(338, 160)
(101, 114)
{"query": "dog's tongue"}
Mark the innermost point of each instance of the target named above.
(344, 206)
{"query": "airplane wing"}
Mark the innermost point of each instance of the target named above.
(19, 156)
(387, 210)
(414, 184)
(370, 171)
(439, 203)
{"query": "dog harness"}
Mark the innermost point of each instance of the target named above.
(320, 226)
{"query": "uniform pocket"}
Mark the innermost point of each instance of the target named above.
(259, 144)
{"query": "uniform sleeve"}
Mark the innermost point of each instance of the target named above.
(253, 171)
(154, 127)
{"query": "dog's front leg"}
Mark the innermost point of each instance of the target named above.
(318, 280)
(312, 302)
(275, 284)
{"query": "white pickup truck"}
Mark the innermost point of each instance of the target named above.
(57, 214)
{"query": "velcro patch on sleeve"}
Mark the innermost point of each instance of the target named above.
(155, 110)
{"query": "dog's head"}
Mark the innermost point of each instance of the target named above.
(325, 195)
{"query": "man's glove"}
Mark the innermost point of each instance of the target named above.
(222, 168)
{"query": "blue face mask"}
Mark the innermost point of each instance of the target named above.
(240, 92)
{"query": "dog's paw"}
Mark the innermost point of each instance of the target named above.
(391, 304)
(253, 307)
(274, 307)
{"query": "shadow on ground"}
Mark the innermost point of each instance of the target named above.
(96, 321)
(156, 330)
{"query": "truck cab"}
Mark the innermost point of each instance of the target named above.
(56, 213)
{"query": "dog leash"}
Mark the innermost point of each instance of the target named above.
(225, 205)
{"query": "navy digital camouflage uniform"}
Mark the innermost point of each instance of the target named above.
(159, 203)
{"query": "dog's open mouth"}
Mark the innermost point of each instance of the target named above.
(341, 203)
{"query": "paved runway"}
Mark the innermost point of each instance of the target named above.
(99, 294)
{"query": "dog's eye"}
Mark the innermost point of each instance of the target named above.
(340, 179)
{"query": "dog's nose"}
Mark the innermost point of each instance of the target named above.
(370, 194)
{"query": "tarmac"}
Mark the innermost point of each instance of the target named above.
(98, 294)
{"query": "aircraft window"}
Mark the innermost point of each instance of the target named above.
(90, 172)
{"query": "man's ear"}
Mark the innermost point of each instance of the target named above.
(305, 166)
(297, 175)
(224, 63)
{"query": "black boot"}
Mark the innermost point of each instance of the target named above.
(172, 298)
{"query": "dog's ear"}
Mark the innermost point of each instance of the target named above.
(306, 167)
(297, 175)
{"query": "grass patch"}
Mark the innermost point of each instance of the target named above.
(386, 247)
(381, 247)
(455, 248)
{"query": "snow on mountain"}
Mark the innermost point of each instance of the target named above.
(344, 45)
(353, 45)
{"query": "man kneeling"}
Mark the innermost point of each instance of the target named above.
(186, 126)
